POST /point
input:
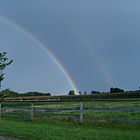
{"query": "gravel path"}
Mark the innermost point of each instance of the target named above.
(7, 138)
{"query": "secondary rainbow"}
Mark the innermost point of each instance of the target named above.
(95, 58)
(91, 51)
(46, 50)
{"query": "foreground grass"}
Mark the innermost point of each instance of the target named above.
(62, 130)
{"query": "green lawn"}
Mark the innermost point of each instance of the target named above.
(62, 130)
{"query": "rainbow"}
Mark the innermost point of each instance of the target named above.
(45, 49)
(94, 57)
(91, 51)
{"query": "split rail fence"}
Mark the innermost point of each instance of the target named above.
(80, 115)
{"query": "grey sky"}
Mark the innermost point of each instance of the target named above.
(97, 41)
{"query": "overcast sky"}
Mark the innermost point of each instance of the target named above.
(97, 41)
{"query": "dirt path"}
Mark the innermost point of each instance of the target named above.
(7, 138)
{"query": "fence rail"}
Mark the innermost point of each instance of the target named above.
(112, 109)
(32, 109)
(59, 99)
(116, 119)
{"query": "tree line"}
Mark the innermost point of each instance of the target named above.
(9, 93)
(112, 90)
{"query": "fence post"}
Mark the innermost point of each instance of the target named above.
(81, 112)
(31, 112)
(0, 111)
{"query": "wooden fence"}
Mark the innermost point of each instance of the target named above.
(32, 109)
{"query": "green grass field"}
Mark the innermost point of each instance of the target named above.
(61, 128)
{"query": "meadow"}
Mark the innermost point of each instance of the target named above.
(62, 130)
(59, 128)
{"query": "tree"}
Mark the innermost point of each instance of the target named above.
(94, 92)
(116, 90)
(4, 62)
(31, 93)
(80, 93)
(8, 93)
(71, 92)
(85, 93)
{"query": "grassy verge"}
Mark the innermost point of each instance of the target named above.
(62, 130)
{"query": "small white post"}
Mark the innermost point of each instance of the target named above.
(0, 111)
(31, 112)
(81, 112)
